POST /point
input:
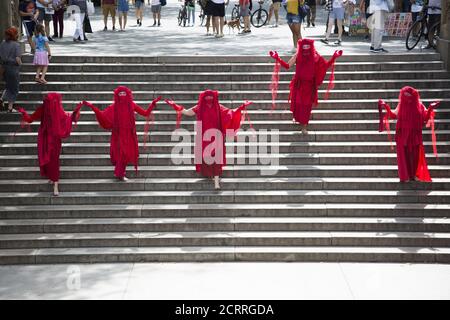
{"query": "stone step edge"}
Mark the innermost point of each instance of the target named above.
(226, 254)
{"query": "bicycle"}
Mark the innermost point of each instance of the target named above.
(182, 16)
(259, 17)
(421, 28)
(236, 14)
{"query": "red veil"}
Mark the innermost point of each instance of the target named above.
(56, 125)
(120, 119)
(310, 66)
(216, 116)
(411, 115)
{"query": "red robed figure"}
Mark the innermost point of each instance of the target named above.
(211, 114)
(310, 71)
(55, 125)
(119, 118)
(411, 116)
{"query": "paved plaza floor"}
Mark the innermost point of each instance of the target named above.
(171, 39)
(227, 281)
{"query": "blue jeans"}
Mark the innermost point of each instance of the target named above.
(191, 12)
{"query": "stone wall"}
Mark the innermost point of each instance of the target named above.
(9, 15)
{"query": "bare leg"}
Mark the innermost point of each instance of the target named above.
(216, 183)
(44, 72)
(55, 189)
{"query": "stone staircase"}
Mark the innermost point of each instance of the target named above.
(335, 196)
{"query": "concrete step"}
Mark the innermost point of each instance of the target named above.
(231, 76)
(229, 85)
(72, 160)
(200, 184)
(242, 59)
(224, 196)
(238, 96)
(283, 136)
(247, 224)
(238, 238)
(83, 211)
(231, 67)
(261, 148)
(330, 107)
(223, 254)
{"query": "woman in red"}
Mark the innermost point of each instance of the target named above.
(213, 121)
(411, 115)
(310, 72)
(56, 125)
(120, 119)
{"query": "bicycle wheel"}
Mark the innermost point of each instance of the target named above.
(433, 35)
(259, 18)
(414, 34)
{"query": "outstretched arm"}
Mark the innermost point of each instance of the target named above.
(36, 115)
(390, 113)
(179, 108)
(283, 63)
(430, 110)
(104, 118)
(337, 54)
(146, 113)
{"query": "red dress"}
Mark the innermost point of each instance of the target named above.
(120, 119)
(310, 71)
(56, 125)
(214, 123)
(411, 115)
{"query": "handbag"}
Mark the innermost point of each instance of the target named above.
(90, 7)
(87, 25)
(163, 3)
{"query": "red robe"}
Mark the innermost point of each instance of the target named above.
(213, 121)
(310, 72)
(120, 119)
(411, 115)
(215, 117)
(56, 125)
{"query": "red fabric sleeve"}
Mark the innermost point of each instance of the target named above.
(105, 118)
(27, 119)
(231, 119)
(149, 119)
(429, 119)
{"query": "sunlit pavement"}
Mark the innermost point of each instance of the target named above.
(171, 39)
(226, 281)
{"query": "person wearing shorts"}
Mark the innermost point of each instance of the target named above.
(122, 11)
(244, 12)
(109, 8)
(274, 10)
(217, 10)
(139, 5)
(337, 14)
(294, 20)
(29, 14)
(45, 8)
(156, 10)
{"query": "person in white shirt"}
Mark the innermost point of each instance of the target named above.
(379, 10)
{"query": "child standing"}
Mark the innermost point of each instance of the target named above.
(42, 53)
